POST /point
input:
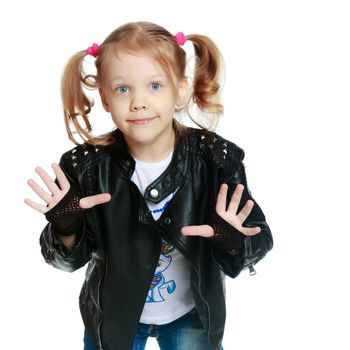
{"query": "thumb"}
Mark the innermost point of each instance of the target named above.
(198, 230)
(91, 201)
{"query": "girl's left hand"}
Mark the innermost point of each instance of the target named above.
(230, 215)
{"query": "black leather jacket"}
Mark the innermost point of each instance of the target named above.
(121, 241)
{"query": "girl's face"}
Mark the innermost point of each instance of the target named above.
(140, 98)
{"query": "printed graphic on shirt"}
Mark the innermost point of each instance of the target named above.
(159, 286)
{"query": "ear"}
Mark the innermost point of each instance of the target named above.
(104, 99)
(183, 91)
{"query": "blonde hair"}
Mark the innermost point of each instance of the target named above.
(162, 46)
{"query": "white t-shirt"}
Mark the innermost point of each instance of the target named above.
(170, 295)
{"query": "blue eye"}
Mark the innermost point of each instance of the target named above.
(155, 86)
(122, 89)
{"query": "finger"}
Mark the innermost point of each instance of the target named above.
(36, 206)
(245, 211)
(61, 177)
(221, 200)
(48, 181)
(39, 191)
(91, 201)
(198, 230)
(236, 199)
(251, 231)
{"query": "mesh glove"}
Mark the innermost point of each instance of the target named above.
(225, 237)
(66, 217)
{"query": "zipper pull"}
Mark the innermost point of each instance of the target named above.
(252, 271)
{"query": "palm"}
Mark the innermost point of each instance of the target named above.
(230, 214)
(55, 193)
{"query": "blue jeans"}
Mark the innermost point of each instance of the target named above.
(185, 333)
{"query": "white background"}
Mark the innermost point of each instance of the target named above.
(286, 104)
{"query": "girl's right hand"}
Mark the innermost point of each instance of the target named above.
(56, 193)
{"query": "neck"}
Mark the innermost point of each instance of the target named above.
(154, 152)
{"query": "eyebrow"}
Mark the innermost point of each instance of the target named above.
(154, 76)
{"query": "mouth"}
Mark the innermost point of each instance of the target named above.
(141, 121)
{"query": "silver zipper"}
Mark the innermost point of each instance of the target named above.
(99, 326)
(199, 283)
(200, 294)
(248, 261)
(252, 271)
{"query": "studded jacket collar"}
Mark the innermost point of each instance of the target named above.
(168, 181)
(121, 240)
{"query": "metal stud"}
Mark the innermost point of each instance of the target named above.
(75, 165)
(86, 152)
(74, 150)
(167, 221)
(154, 193)
(74, 157)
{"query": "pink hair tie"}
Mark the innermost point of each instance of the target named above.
(93, 50)
(180, 38)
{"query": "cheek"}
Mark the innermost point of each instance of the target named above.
(116, 112)
(118, 106)
(168, 105)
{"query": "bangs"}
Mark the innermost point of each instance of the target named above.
(144, 46)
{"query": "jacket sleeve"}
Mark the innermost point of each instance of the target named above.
(53, 251)
(241, 251)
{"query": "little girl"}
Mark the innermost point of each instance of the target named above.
(161, 212)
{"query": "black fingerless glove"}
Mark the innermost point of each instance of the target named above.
(66, 217)
(225, 237)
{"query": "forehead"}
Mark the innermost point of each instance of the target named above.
(124, 63)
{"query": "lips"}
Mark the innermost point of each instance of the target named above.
(141, 121)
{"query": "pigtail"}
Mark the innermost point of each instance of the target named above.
(76, 105)
(206, 81)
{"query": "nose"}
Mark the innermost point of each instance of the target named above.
(138, 103)
(138, 107)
